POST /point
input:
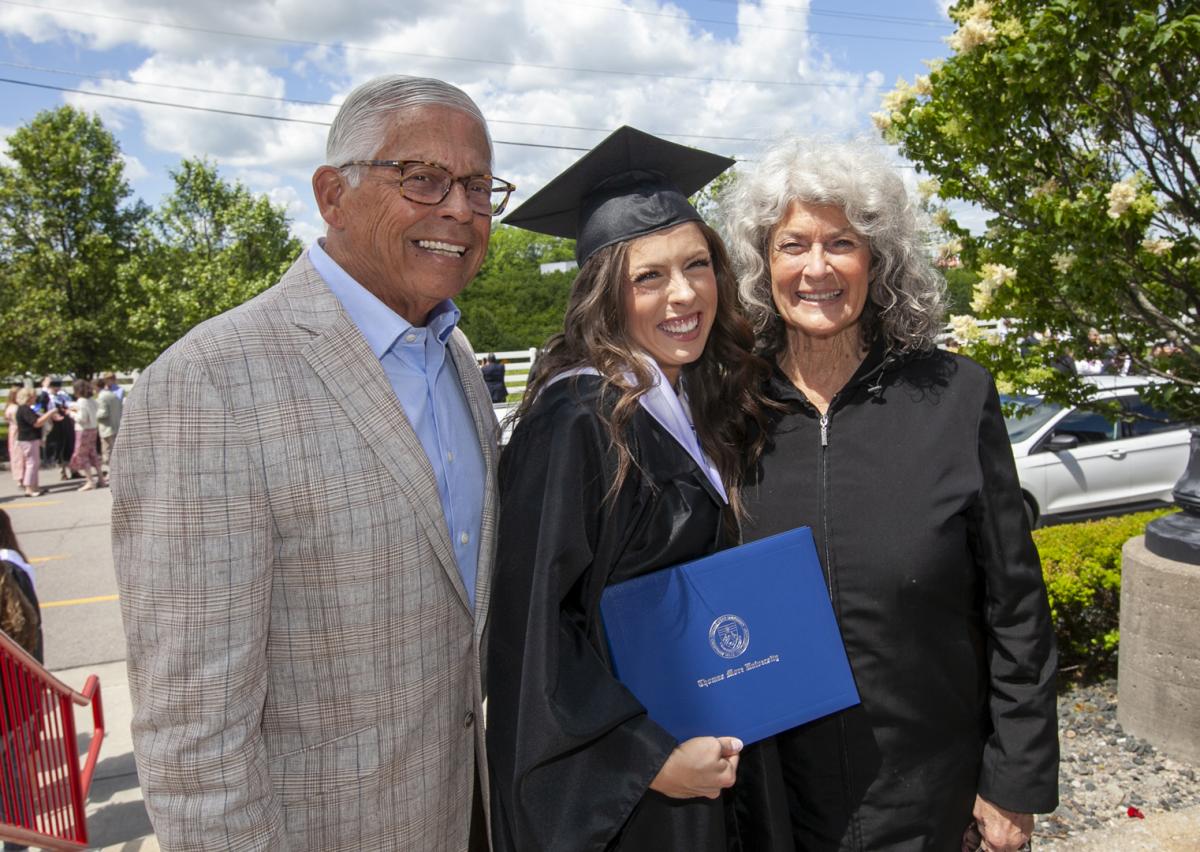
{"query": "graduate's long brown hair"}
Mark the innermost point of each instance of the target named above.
(723, 384)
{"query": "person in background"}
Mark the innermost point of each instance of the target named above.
(108, 416)
(86, 459)
(45, 396)
(625, 459)
(16, 461)
(111, 383)
(493, 377)
(60, 439)
(1097, 357)
(29, 438)
(896, 455)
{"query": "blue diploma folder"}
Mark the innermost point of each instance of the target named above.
(741, 643)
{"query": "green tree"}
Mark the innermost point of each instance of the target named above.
(210, 246)
(960, 287)
(1074, 124)
(67, 226)
(707, 200)
(511, 304)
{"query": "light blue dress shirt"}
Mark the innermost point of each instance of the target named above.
(423, 375)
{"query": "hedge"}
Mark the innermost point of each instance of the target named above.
(1082, 566)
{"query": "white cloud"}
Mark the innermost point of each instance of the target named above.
(134, 170)
(5, 132)
(973, 218)
(681, 84)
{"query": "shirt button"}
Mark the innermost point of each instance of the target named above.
(464, 538)
(469, 719)
(410, 338)
(450, 456)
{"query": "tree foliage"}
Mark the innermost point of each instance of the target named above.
(511, 304)
(210, 246)
(67, 227)
(1074, 123)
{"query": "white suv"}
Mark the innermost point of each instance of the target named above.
(1074, 462)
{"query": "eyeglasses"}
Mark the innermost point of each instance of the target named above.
(429, 183)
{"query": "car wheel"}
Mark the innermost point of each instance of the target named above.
(1030, 510)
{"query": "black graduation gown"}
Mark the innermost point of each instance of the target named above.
(571, 751)
(913, 499)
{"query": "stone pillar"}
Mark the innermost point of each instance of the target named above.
(1158, 668)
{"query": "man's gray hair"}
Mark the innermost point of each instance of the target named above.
(905, 303)
(366, 115)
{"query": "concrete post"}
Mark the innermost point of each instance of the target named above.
(1158, 668)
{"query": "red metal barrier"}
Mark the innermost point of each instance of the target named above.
(41, 785)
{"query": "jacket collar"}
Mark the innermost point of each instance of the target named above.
(341, 358)
(873, 374)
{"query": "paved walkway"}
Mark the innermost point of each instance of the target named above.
(1173, 832)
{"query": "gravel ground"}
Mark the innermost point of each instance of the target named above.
(1104, 772)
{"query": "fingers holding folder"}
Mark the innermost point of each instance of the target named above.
(701, 766)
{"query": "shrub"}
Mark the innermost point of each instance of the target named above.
(1082, 566)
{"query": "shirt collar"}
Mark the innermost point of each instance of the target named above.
(379, 324)
(671, 410)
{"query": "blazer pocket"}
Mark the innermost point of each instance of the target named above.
(339, 765)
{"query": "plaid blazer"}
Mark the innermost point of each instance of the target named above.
(302, 657)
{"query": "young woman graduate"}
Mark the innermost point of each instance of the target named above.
(625, 459)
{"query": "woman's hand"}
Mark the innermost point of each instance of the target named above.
(1002, 830)
(701, 766)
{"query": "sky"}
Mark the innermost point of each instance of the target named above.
(252, 84)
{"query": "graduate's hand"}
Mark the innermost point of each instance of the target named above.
(1001, 830)
(701, 766)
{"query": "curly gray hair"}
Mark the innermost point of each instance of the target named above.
(905, 304)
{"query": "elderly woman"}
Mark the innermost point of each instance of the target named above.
(86, 456)
(896, 455)
(29, 438)
(625, 459)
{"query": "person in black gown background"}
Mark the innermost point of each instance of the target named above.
(493, 377)
(606, 479)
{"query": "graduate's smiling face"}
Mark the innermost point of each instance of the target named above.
(670, 296)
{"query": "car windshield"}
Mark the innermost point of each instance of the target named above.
(1024, 415)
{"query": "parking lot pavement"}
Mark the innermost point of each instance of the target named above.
(65, 535)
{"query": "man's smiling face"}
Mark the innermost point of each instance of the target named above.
(413, 256)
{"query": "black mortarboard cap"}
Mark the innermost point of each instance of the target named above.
(629, 185)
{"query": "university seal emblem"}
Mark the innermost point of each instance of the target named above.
(729, 636)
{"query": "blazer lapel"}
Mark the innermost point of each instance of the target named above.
(354, 378)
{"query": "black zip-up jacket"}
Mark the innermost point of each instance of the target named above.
(909, 486)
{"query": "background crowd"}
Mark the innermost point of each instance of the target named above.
(72, 430)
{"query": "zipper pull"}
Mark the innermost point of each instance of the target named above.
(824, 430)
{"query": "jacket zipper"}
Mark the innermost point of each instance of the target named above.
(847, 784)
(824, 479)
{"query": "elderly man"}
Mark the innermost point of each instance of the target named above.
(108, 415)
(303, 517)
